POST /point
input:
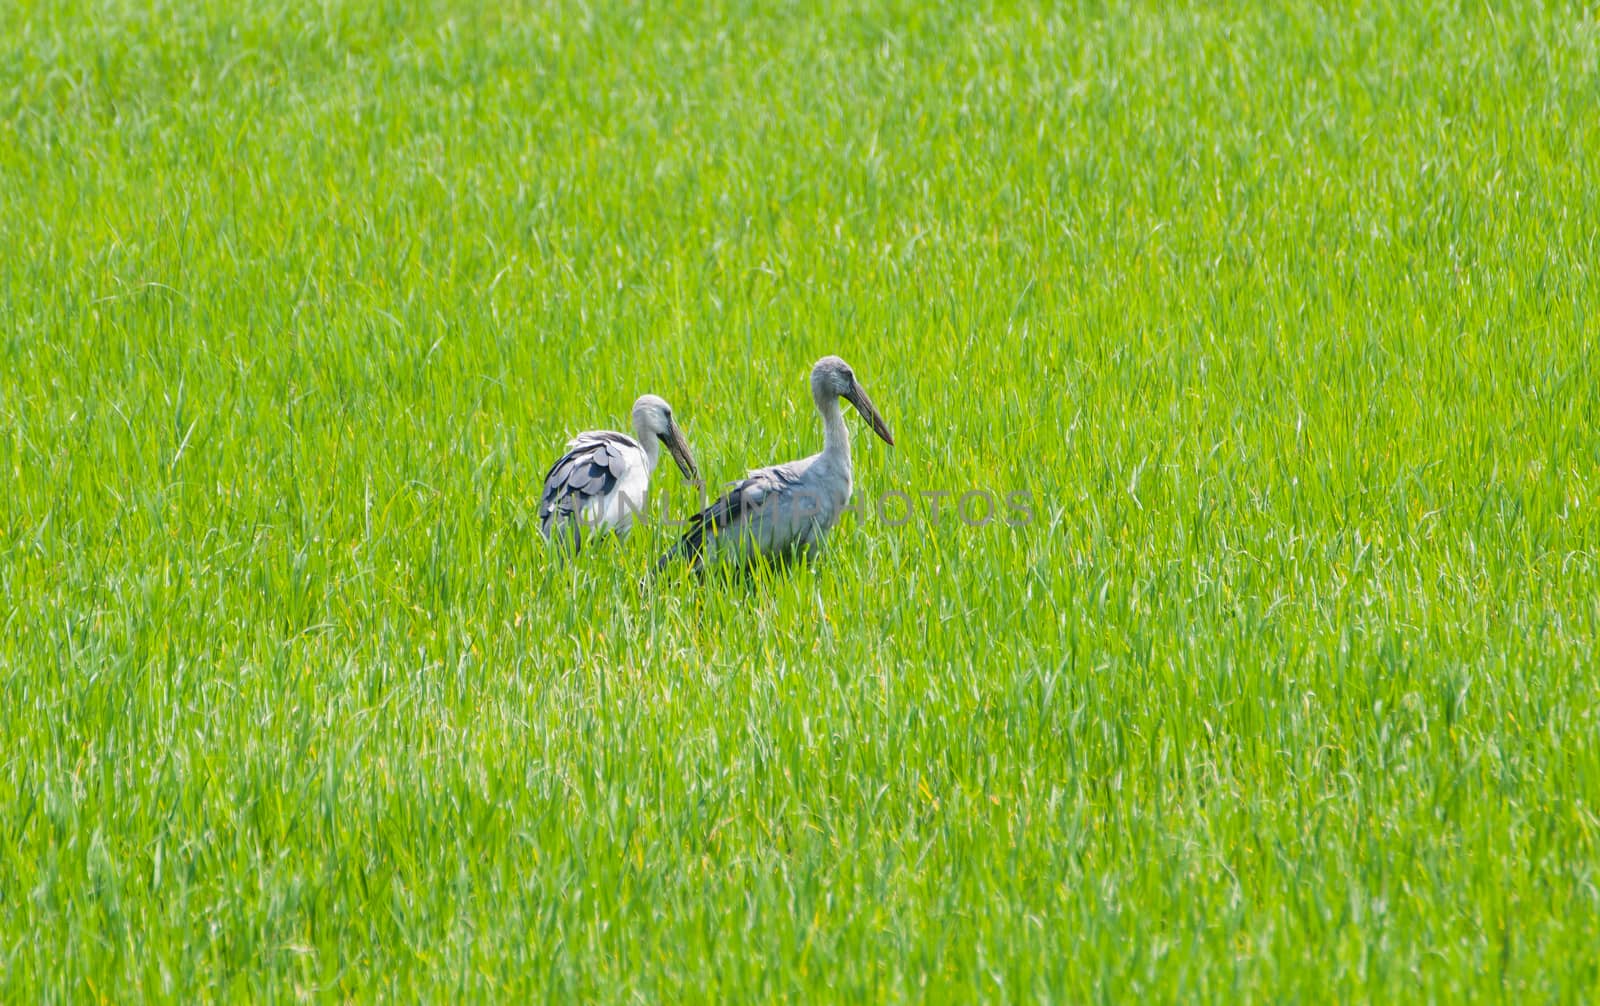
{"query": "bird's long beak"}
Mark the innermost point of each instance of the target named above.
(858, 398)
(678, 447)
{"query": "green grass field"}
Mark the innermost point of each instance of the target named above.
(1283, 315)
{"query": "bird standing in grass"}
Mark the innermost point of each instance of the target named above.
(603, 480)
(786, 511)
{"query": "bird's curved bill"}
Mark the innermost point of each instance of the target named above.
(863, 404)
(678, 447)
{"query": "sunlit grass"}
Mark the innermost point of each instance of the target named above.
(1282, 316)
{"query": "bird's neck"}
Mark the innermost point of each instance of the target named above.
(650, 443)
(835, 435)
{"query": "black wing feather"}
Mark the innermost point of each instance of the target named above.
(744, 499)
(591, 469)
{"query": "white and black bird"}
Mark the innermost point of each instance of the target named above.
(603, 481)
(786, 511)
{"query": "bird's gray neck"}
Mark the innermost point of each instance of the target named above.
(835, 435)
(651, 444)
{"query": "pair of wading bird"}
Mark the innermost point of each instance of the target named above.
(777, 513)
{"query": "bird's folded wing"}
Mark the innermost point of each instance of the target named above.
(742, 503)
(588, 471)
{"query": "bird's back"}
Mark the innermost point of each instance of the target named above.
(777, 512)
(601, 481)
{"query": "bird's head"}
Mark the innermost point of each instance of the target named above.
(652, 417)
(833, 378)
